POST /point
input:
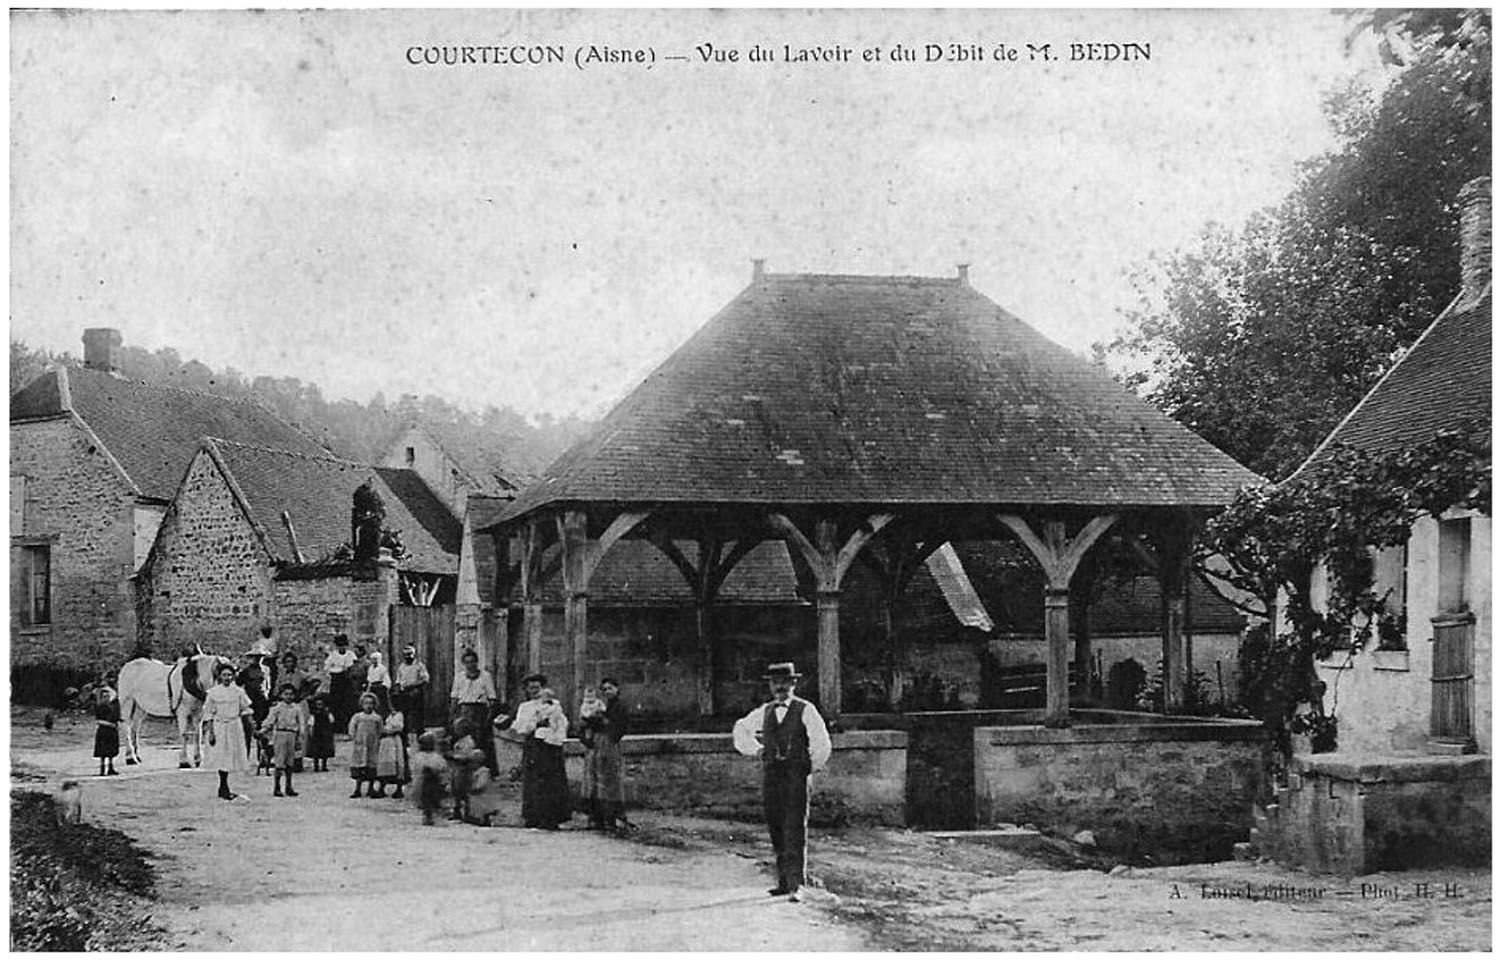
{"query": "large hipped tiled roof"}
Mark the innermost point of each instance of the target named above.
(882, 390)
(318, 493)
(153, 430)
(1442, 383)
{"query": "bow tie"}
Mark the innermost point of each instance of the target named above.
(784, 705)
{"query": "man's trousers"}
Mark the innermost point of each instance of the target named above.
(786, 818)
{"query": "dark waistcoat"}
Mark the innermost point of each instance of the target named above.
(785, 742)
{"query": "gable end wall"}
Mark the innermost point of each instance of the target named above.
(208, 579)
(77, 502)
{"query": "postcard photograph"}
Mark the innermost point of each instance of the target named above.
(678, 480)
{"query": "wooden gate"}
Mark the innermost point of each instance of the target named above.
(1453, 676)
(430, 629)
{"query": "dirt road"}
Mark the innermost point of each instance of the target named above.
(324, 872)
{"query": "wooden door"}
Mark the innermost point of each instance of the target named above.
(1453, 676)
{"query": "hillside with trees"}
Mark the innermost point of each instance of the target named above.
(496, 438)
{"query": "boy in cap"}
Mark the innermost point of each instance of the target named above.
(792, 741)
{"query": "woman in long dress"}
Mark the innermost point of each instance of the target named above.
(544, 780)
(603, 767)
(224, 711)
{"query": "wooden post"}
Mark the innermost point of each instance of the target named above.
(829, 563)
(1175, 545)
(705, 578)
(575, 549)
(1056, 604)
(531, 595)
(1059, 558)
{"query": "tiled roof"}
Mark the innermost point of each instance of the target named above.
(152, 430)
(479, 457)
(484, 511)
(1441, 383)
(318, 493)
(882, 390)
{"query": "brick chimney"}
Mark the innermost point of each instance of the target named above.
(1474, 236)
(101, 349)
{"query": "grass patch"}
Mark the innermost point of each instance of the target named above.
(76, 887)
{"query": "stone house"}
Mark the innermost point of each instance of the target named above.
(255, 535)
(94, 461)
(1409, 784)
(451, 476)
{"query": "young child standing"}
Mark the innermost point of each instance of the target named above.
(107, 731)
(282, 730)
(320, 744)
(364, 735)
(428, 771)
(390, 758)
(463, 758)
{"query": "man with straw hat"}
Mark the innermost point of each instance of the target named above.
(791, 739)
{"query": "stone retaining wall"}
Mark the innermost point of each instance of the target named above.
(865, 779)
(1349, 814)
(1169, 790)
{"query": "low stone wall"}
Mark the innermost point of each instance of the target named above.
(1165, 789)
(1349, 814)
(700, 772)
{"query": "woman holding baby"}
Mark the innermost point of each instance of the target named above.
(544, 782)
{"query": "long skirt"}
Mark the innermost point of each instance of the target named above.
(544, 785)
(603, 780)
(390, 760)
(228, 752)
(106, 740)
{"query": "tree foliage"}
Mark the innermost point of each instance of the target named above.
(1261, 338)
(1334, 514)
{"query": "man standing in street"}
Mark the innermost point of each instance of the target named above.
(472, 698)
(409, 691)
(792, 741)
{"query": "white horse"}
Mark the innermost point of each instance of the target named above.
(151, 688)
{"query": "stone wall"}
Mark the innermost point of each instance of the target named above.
(1356, 815)
(79, 504)
(701, 772)
(208, 580)
(1176, 789)
(653, 653)
(315, 603)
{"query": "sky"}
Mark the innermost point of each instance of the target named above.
(285, 193)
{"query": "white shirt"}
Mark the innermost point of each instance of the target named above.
(479, 689)
(338, 661)
(544, 718)
(819, 746)
(378, 675)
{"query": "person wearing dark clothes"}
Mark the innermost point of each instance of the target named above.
(544, 780)
(320, 742)
(107, 731)
(792, 741)
(604, 723)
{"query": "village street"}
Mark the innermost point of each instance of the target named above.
(323, 872)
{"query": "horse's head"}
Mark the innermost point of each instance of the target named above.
(198, 672)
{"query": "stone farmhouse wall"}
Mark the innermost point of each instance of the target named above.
(208, 579)
(80, 504)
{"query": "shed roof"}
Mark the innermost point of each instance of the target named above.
(882, 390)
(318, 491)
(154, 430)
(1442, 383)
